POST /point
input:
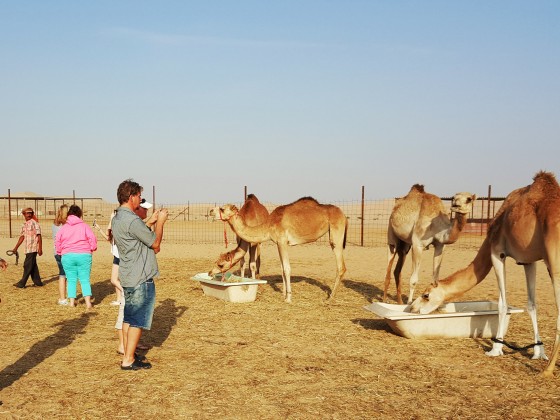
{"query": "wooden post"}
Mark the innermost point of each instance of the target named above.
(153, 198)
(481, 218)
(10, 211)
(362, 224)
(488, 210)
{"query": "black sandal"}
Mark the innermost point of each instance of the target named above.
(137, 365)
(136, 356)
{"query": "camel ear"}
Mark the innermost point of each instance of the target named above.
(474, 197)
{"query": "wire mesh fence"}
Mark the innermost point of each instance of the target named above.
(191, 223)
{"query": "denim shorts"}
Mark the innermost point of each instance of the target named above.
(139, 304)
(58, 259)
(116, 260)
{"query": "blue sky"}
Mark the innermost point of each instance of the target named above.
(290, 98)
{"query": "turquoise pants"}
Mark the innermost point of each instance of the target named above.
(77, 266)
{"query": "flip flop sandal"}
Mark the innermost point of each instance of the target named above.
(136, 356)
(137, 365)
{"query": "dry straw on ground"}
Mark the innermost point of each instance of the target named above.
(266, 359)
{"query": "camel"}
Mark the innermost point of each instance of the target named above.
(300, 222)
(417, 221)
(254, 214)
(527, 229)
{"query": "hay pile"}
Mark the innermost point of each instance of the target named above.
(266, 359)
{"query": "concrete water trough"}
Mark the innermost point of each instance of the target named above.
(474, 319)
(229, 287)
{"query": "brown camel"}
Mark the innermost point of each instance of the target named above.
(254, 214)
(527, 229)
(300, 222)
(417, 221)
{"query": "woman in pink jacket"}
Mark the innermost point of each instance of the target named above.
(75, 242)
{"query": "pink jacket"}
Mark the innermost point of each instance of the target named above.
(75, 236)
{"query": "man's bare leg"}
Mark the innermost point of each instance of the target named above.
(131, 336)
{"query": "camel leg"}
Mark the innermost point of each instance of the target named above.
(530, 277)
(340, 267)
(416, 259)
(391, 252)
(548, 371)
(253, 260)
(286, 271)
(258, 262)
(402, 250)
(242, 266)
(438, 257)
(245, 246)
(499, 263)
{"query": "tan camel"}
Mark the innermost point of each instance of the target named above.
(300, 222)
(527, 229)
(417, 221)
(254, 214)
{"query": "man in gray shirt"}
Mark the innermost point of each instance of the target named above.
(137, 247)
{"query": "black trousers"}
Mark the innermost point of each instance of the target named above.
(31, 269)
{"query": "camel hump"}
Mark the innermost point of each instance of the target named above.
(252, 197)
(418, 188)
(545, 178)
(307, 198)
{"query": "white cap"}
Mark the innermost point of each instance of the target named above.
(145, 204)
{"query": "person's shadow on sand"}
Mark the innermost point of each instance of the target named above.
(45, 348)
(165, 318)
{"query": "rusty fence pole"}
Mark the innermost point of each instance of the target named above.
(10, 211)
(362, 227)
(245, 194)
(488, 209)
(481, 218)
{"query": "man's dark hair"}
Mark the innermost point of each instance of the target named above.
(127, 188)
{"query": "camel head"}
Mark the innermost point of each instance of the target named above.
(463, 202)
(428, 301)
(222, 264)
(226, 212)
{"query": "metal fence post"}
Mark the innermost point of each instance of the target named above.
(362, 225)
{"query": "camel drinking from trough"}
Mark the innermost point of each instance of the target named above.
(527, 229)
(300, 222)
(418, 220)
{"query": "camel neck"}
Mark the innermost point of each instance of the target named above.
(254, 234)
(457, 225)
(465, 279)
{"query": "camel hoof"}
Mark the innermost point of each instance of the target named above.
(547, 373)
(538, 353)
(494, 353)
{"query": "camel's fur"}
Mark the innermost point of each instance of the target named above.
(417, 221)
(527, 229)
(300, 222)
(254, 214)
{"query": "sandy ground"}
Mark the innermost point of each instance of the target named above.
(265, 359)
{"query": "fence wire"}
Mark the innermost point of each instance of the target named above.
(191, 223)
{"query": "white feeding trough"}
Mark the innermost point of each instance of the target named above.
(229, 287)
(451, 320)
